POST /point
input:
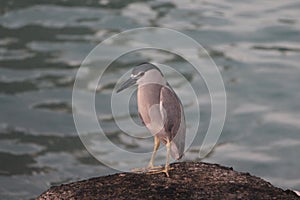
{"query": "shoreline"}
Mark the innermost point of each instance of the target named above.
(188, 180)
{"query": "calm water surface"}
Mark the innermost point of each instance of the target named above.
(256, 46)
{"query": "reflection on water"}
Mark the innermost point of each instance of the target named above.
(256, 46)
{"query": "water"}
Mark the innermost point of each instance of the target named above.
(255, 44)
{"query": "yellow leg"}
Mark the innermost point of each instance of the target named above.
(156, 146)
(167, 166)
(151, 167)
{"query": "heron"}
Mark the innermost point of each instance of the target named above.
(161, 111)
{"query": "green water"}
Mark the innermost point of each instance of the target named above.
(256, 46)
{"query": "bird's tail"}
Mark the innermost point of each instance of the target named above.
(178, 144)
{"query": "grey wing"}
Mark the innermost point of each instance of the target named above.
(141, 119)
(174, 121)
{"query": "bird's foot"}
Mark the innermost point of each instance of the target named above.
(153, 170)
(147, 169)
(161, 170)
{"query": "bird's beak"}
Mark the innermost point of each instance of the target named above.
(126, 84)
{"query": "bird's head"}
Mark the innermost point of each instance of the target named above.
(145, 73)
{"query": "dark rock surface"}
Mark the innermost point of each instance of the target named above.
(188, 180)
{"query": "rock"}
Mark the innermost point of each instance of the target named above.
(188, 180)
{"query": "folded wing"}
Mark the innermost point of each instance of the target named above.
(174, 121)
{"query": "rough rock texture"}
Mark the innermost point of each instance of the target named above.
(188, 180)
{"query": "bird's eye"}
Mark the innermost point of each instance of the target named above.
(133, 75)
(137, 75)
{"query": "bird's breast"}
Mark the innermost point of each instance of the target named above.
(148, 97)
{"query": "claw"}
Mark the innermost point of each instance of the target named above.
(165, 170)
(147, 169)
(153, 170)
